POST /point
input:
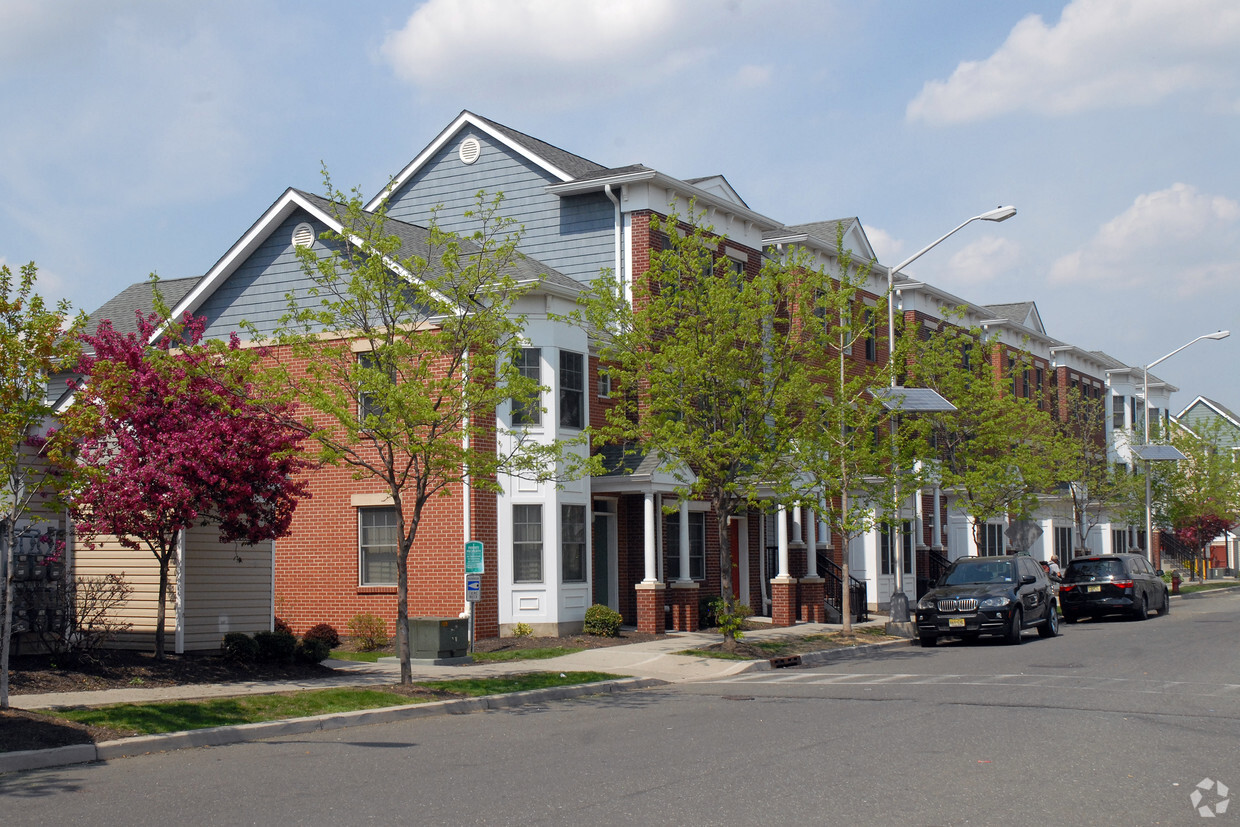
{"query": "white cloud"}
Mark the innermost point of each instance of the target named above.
(1101, 53)
(984, 260)
(754, 77)
(1177, 239)
(556, 51)
(887, 248)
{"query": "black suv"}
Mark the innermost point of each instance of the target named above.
(988, 596)
(1112, 584)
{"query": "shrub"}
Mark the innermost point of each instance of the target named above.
(368, 631)
(324, 632)
(522, 630)
(275, 647)
(731, 617)
(603, 621)
(281, 626)
(312, 650)
(240, 647)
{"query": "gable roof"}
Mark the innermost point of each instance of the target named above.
(122, 308)
(821, 235)
(1023, 313)
(1218, 408)
(557, 162)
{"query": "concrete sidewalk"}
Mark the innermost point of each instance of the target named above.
(646, 664)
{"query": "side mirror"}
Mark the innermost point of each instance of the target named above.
(1028, 579)
(1159, 572)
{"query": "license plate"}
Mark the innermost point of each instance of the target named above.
(1093, 588)
(955, 622)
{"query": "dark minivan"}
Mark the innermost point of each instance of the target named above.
(1112, 584)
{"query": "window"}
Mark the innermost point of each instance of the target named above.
(369, 405)
(887, 548)
(1117, 411)
(1063, 542)
(871, 345)
(527, 544)
(528, 410)
(378, 538)
(992, 540)
(697, 546)
(572, 390)
(604, 384)
(1119, 540)
(573, 543)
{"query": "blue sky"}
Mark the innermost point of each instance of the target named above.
(141, 135)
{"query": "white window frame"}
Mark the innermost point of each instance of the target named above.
(523, 543)
(365, 549)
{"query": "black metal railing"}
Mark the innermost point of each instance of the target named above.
(1176, 554)
(830, 571)
(928, 575)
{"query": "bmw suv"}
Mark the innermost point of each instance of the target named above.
(988, 596)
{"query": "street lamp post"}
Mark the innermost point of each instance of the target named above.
(899, 600)
(1145, 402)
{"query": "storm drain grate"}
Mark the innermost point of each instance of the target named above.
(784, 663)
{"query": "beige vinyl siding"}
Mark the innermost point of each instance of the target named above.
(141, 572)
(227, 589)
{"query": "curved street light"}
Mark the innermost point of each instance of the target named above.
(1145, 401)
(899, 600)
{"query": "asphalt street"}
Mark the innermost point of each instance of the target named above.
(1114, 722)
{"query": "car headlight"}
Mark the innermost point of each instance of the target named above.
(996, 602)
(926, 603)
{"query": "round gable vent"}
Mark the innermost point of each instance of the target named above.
(303, 235)
(470, 150)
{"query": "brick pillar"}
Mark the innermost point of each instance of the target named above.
(684, 600)
(813, 594)
(784, 601)
(650, 601)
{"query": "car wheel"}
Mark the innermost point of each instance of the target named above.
(1166, 604)
(928, 641)
(1050, 628)
(1015, 627)
(1143, 611)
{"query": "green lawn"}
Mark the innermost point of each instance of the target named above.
(177, 716)
(1201, 587)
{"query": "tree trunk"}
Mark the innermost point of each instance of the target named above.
(402, 612)
(725, 569)
(6, 628)
(165, 557)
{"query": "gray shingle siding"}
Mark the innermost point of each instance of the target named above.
(572, 235)
(257, 291)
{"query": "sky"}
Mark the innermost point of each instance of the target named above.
(142, 136)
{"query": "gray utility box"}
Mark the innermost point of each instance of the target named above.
(434, 638)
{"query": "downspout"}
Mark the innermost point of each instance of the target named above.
(624, 283)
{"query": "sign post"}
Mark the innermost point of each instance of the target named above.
(475, 567)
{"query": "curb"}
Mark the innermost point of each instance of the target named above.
(1207, 592)
(218, 736)
(823, 656)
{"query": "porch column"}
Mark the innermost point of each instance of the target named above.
(685, 576)
(784, 586)
(648, 537)
(812, 589)
(650, 592)
(936, 541)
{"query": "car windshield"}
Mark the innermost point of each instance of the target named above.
(1094, 569)
(979, 571)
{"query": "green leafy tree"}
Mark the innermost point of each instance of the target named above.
(1201, 493)
(1096, 488)
(36, 341)
(708, 368)
(400, 355)
(995, 449)
(842, 442)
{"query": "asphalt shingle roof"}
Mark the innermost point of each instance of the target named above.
(574, 165)
(122, 308)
